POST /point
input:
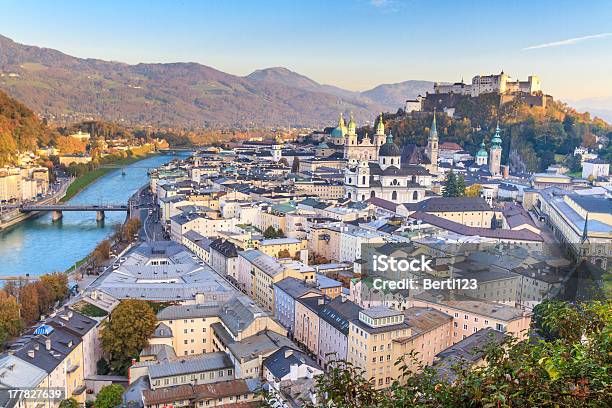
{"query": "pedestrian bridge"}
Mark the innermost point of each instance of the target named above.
(58, 209)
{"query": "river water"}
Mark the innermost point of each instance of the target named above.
(37, 246)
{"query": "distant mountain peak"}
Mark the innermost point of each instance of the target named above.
(67, 88)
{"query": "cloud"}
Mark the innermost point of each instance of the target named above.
(569, 41)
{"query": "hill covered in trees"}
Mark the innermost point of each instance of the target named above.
(20, 129)
(532, 136)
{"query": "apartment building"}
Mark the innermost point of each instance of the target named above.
(258, 272)
(334, 320)
(286, 292)
(306, 330)
(470, 314)
(370, 343)
(283, 246)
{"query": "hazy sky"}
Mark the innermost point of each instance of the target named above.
(355, 44)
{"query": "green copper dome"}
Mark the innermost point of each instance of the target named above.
(483, 151)
(340, 130)
(389, 148)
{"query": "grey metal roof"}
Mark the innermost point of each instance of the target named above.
(295, 288)
(206, 362)
(262, 343)
(280, 362)
(179, 312)
(162, 331)
(339, 313)
(266, 263)
(239, 312)
(15, 372)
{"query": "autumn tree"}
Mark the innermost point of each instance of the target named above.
(102, 251)
(28, 300)
(284, 253)
(131, 227)
(10, 321)
(127, 332)
(473, 191)
(57, 282)
(45, 297)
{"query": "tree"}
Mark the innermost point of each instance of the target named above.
(284, 253)
(10, 321)
(102, 251)
(269, 233)
(283, 161)
(473, 191)
(569, 370)
(127, 332)
(45, 297)
(109, 396)
(295, 166)
(450, 186)
(573, 162)
(69, 403)
(131, 228)
(57, 282)
(102, 367)
(28, 299)
(460, 186)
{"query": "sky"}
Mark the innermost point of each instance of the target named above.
(354, 44)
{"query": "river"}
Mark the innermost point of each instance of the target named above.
(38, 246)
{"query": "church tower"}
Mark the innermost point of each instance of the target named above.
(277, 152)
(379, 136)
(432, 145)
(482, 156)
(350, 140)
(495, 155)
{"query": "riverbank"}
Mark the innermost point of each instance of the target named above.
(86, 179)
(21, 217)
(39, 245)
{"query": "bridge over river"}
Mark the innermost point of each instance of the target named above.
(58, 209)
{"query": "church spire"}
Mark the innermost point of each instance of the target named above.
(433, 132)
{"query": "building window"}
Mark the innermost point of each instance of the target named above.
(394, 195)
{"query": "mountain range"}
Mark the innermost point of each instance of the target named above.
(183, 94)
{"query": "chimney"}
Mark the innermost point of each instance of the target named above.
(288, 353)
(31, 353)
(48, 344)
(321, 301)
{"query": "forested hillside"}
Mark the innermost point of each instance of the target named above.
(20, 129)
(534, 135)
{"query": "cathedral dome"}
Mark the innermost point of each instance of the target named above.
(482, 152)
(338, 132)
(389, 148)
